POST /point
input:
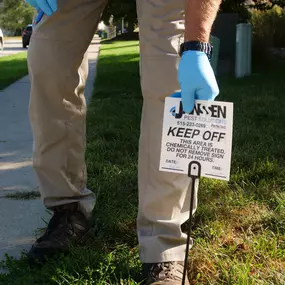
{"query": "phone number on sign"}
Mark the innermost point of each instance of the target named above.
(191, 124)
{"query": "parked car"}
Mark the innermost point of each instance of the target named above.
(26, 35)
(1, 40)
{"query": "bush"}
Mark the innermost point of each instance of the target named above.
(268, 30)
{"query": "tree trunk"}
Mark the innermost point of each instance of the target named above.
(131, 25)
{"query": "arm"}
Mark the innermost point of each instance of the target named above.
(199, 18)
(195, 74)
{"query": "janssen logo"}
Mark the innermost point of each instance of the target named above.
(173, 111)
(213, 111)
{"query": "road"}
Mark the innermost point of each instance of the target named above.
(12, 47)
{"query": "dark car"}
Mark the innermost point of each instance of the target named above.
(26, 35)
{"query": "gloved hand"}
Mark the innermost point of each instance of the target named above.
(47, 6)
(197, 79)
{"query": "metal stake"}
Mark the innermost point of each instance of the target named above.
(194, 172)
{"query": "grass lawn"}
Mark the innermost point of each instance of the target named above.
(13, 38)
(239, 227)
(12, 67)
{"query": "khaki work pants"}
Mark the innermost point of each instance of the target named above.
(58, 70)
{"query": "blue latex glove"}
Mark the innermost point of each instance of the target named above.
(47, 6)
(176, 95)
(33, 3)
(197, 79)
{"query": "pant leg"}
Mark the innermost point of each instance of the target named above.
(58, 70)
(164, 201)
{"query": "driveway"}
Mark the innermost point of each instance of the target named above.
(12, 47)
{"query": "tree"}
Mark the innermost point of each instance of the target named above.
(280, 3)
(236, 6)
(127, 9)
(15, 14)
(121, 9)
(229, 6)
(242, 6)
(239, 5)
(268, 4)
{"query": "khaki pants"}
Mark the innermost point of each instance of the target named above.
(58, 71)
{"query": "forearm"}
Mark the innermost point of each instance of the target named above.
(199, 18)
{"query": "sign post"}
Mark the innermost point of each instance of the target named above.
(197, 144)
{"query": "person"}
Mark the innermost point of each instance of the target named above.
(174, 50)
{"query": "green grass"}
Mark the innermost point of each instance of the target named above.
(239, 228)
(13, 67)
(23, 195)
(19, 38)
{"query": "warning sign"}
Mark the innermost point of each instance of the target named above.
(204, 136)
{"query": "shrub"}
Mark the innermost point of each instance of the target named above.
(268, 30)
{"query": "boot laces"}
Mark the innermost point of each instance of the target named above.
(59, 224)
(165, 271)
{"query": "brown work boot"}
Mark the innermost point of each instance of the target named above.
(67, 226)
(166, 273)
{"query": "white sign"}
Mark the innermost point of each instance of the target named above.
(204, 136)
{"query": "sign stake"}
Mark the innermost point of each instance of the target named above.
(194, 173)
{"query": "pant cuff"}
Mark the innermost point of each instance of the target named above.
(154, 252)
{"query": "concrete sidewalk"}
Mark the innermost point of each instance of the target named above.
(20, 220)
